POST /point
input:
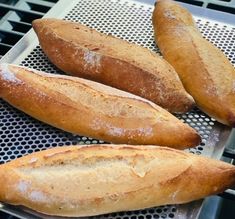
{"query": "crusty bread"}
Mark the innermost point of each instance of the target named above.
(92, 180)
(92, 109)
(205, 71)
(84, 52)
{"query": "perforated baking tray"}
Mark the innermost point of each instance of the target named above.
(130, 20)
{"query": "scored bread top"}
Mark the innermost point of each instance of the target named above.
(84, 52)
(92, 109)
(204, 70)
(107, 100)
(95, 179)
(103, 44)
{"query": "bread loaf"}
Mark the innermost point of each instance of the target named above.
(84, 52)
(92, 109)
(98, 179)
(205, 71)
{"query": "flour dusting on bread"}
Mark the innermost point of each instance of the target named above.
(92, 59)
(33, 160)
(7, 74)
(22, 186)
(169, 14)
(98, 124)
(37, 196)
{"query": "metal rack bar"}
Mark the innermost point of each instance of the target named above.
(16, 18)
(220, 5)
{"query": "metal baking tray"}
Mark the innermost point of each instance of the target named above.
(130, 20)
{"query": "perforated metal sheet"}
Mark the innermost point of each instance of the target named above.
(21, 134)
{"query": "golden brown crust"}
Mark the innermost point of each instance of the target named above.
(84, 52)
(88, 108)
(204, 70)
(97, 179)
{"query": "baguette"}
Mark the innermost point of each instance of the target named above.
(98, 179)
(84, 52)
(92, 109)
(204, 70)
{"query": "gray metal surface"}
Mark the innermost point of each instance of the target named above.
(129, 20)
(16, 17)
